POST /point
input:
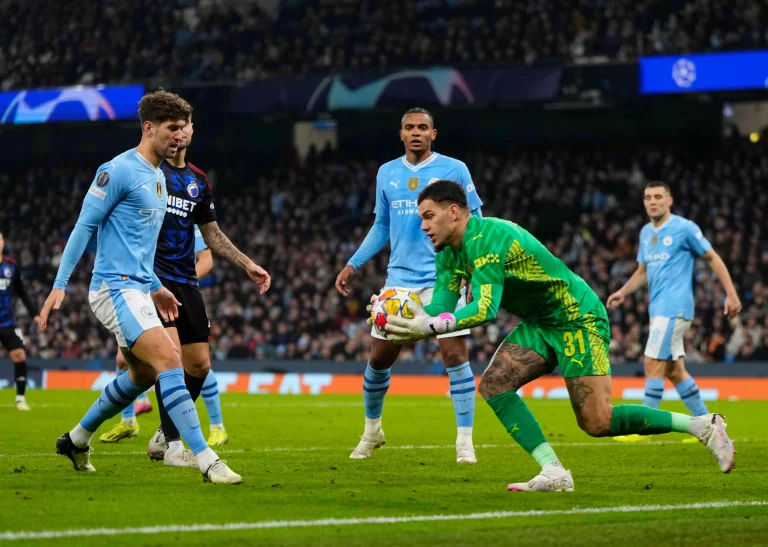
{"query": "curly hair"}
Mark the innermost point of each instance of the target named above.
(161, 106)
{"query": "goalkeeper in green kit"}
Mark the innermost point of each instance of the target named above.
(563, 324)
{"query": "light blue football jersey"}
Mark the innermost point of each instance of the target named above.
(398, 183)
(127, 199)
(199, 241)
(668, 253)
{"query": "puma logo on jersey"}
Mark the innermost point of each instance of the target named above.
(579, 362)
(394, 184)
(478, 236)
(514, 429)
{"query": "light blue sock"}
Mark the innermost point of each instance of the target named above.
(375, 386)
(117, 395)
(654, 389)
(128, 412)
(689, 393)
(144, 397)
(181, 409)
(463, 394)
(210, 393)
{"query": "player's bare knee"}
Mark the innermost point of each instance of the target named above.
(597, 424)
(197, 367)
(495, 382)
(18, 355)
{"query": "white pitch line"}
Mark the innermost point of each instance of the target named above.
(604, 444)
(272, 524)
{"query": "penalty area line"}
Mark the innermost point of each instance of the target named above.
(273, 524)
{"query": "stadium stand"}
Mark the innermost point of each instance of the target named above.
(585, 204)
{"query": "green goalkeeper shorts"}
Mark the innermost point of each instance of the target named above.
(579, 347)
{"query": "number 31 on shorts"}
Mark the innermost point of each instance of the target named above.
(570, 340)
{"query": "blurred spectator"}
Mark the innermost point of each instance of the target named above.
(584, 204)
(61, 43)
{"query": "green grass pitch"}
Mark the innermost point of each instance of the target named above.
(292, 452)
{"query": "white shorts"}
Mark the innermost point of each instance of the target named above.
(127, 313)
(425, 295)
(665, 338)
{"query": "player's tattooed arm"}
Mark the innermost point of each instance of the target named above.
(511, 368)
(221, 245)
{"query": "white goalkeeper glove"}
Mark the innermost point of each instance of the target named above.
(404, 331)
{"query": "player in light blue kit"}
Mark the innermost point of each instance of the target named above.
(128, 426)
(127, 202)
(669, 245)
(412, 267)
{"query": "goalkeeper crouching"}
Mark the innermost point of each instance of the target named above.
(563, 324)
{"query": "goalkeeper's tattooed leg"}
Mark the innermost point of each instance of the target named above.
(511, 368)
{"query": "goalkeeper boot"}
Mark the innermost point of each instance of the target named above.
(714, 437)
(121, 430)
(368, 443)
(80, 457)
(217, 436)
(552, 478)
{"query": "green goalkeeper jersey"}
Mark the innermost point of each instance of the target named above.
(509, 269)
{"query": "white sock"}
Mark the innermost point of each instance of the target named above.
(372, 425)
(130, 421)
(80, 436)
(219, 427)
(174, 447)
(464, 435)
(21, 399)
(205, 459)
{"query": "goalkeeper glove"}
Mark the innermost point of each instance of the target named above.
(404, 331)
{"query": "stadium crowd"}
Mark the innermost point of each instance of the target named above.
(55, 43)
(585, 204)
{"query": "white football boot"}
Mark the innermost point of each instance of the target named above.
(465, 450)
(220, 473)
(178, 456)
(80, 457)
(714, 437)
(552, 478)
(368, 443)
(157, 446)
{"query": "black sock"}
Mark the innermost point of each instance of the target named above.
(169, 429)
(194, 385)
(20, 373)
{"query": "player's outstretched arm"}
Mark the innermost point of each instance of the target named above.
(377, 237)
(221, 245)
(89, 220)
(637, 280)
(732, 301)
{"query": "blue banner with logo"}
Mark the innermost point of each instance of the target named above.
(704, 72)
(444, 86)
(70, 104)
